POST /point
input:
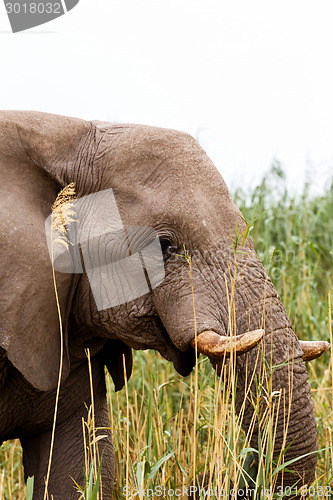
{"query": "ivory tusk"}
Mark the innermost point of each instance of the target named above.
(313, 349)
(214, 345)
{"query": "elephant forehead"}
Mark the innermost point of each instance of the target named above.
(154, 156)
(194, 214)
(163, 177)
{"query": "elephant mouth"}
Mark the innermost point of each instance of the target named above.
(183, 361)
(208, 343)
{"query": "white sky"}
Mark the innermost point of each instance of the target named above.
(252, 80)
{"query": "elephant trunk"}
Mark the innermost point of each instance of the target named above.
(273, 395)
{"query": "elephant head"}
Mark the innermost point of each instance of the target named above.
(161, 180)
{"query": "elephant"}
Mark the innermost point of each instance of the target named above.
(162, 180)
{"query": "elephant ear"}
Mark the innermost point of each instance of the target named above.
(117, 357)
(37, 157)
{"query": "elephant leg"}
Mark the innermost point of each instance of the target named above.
(68, 456)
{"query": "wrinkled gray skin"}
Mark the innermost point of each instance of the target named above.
(161, 179)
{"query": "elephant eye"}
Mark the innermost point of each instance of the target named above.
(168, 248)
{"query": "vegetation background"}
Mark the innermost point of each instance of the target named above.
(166, 427)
